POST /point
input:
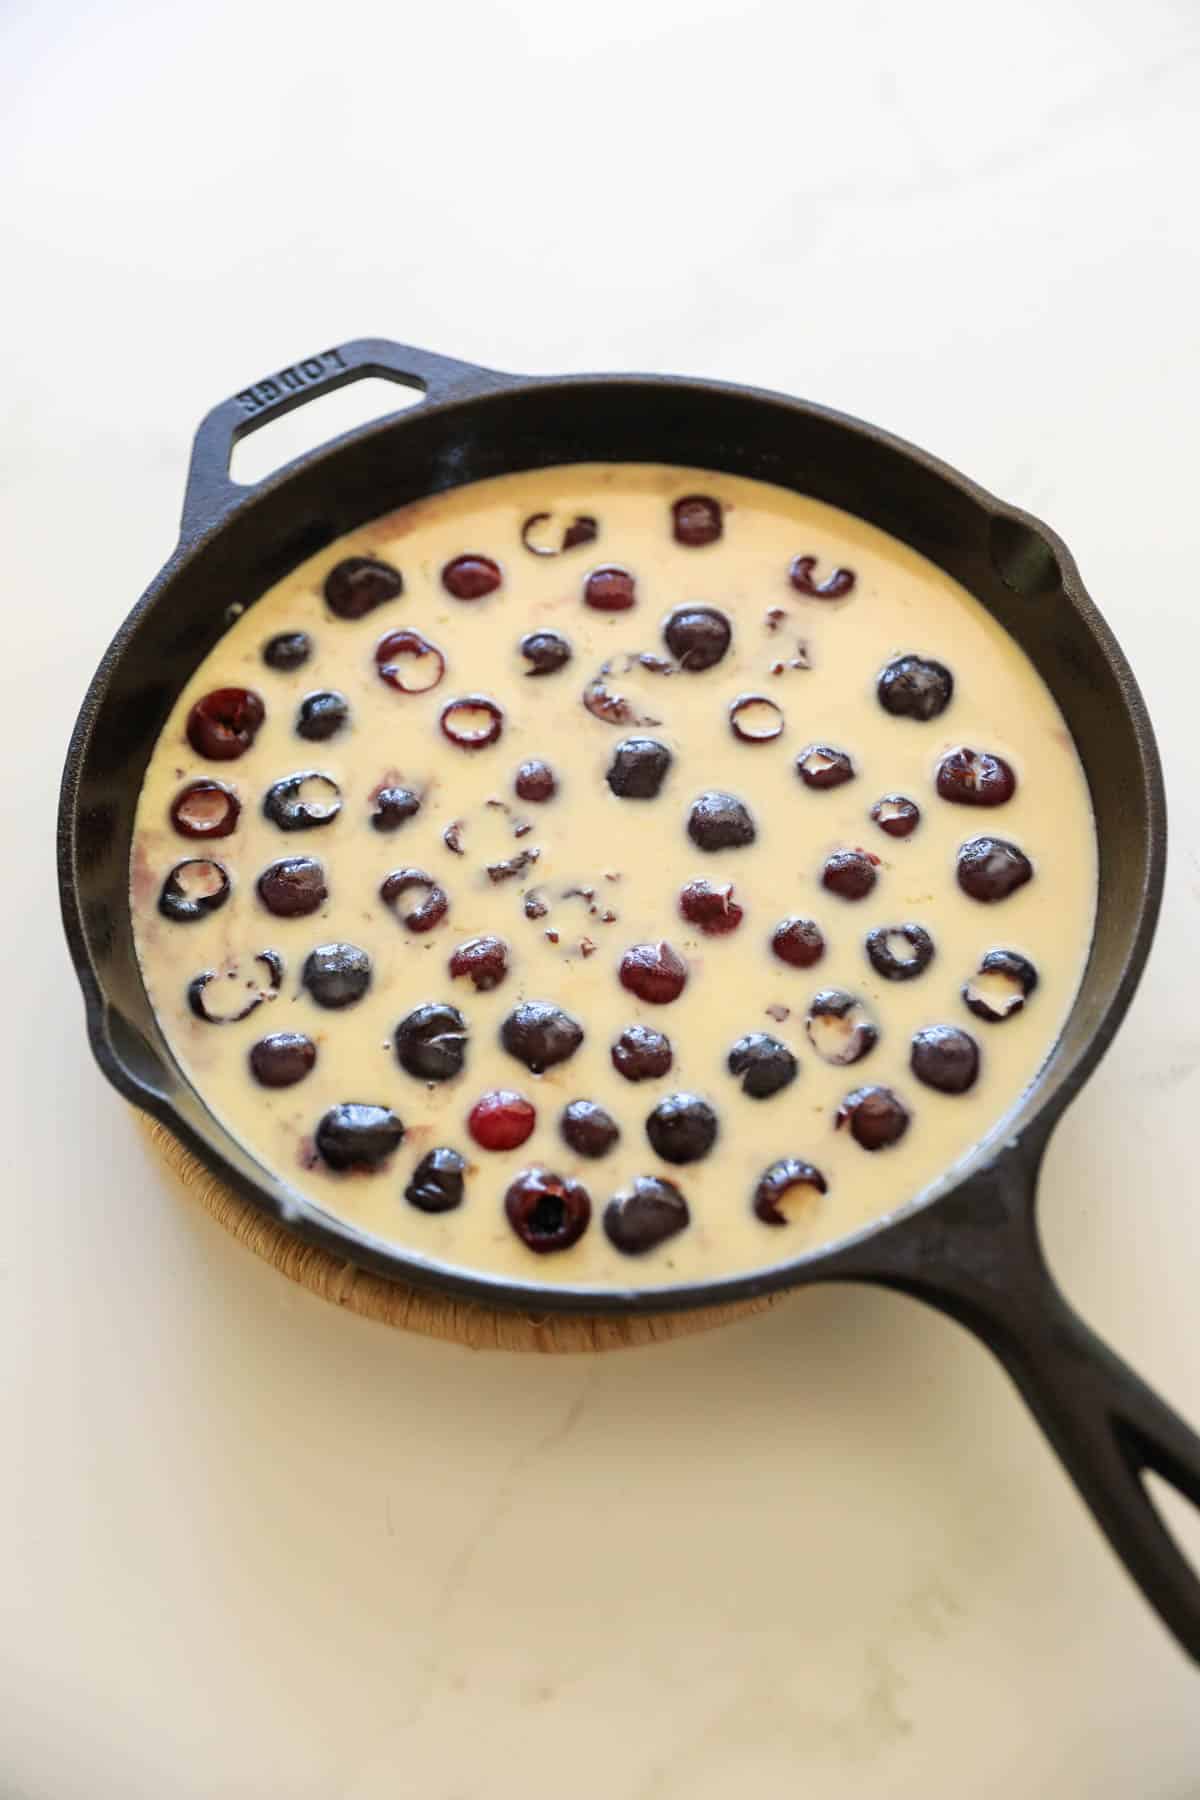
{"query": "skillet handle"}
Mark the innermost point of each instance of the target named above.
(210, 493)
(979, 1259)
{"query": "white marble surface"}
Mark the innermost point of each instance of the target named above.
(249, 1546)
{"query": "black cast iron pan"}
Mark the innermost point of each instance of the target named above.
(972, 1247)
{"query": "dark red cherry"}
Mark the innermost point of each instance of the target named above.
(536, 781)
(193, 889)
(654, 972)
(975, 778)
(913, 687)
(642, 1054)
(358, 1136)
(293, 887)
(798, 942)
(282, 1059)
(713, 909)
(540, 1035)
(897, 815)
(471, 577)
(548, 1212)
(821, 767)
(647, 1213)
(697, 637)
(991, 868)
(588, 1129)
(483, 960)
(610, 590)
(696, 520)
(357, 585)
(875, 1115)
(946, 1058)
(225, 723)
(850, 874)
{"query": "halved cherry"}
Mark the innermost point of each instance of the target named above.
(472, 722)
(224, 724)
(540, 541)
(207, 991)
(610, 590)
(205, 809)
(834, 587)
(774, 1197)
(408, 662)
(755, 719)
(429, 911)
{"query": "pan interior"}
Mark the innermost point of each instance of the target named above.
(901, 603)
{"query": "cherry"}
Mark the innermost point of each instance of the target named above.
(644, 1215)
(483, 960)
(336, 975)
(540, 1035)
(225, 723)
(536, 781)
(429, 911)
(431, 1042)
(899, 952)
(501, 1120)
(991, 868)
(393, 806)
(437, 1181)
(914, 688)
(193, 889)
(357, 585)
(696, 520)
(287, 650)
(358, 1136)
(1001, 987)
(293, 888)
(206, 991)
(945, 1058)
(609, 590)
(470, 577)
(472, 722)
(850, 874)
(697, 637)
(719, 821)
(821, 766)
(654, 972)
(781, 1180)
(838, 1027)
(408, 662)
(548, 1212)
(638, 769)
(205, 809)
(834, 587)
(588, 1129)
(975, 778)
(682, 1128)
(641, 1054)
(282, 1059)
(546, 652)
(755, 719)
(322, 716)
(583, 529)
(713, 909)
(303, 802)
(896, 815)
(798, 942)
(876, 1117)
(765, 1065)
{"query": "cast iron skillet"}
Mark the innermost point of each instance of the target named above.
(970, 1248)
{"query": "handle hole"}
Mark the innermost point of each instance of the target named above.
(1176, 1511)
(325, 416)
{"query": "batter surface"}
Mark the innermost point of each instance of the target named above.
(720, 742)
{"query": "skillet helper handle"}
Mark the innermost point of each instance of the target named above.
(210, 494)
(977, 1256)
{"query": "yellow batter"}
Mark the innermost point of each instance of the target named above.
(817, 660)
